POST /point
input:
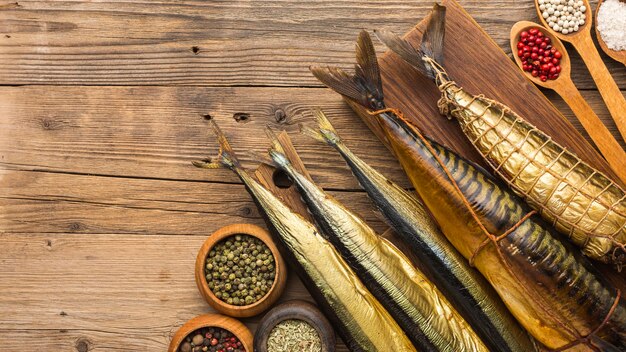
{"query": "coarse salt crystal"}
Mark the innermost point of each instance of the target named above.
(612, 24)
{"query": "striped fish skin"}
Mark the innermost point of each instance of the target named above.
(362, 321)
(463, 286)
(418, 306)
(578, 200)
(549, 290)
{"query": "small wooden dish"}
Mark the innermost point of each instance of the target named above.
(619, 56)
(298, 310)
(212, 320)
(270, 297)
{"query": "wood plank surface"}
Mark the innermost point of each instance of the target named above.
(155, 132)
(214, 43)
(102, 109)
(83, 204)
(107, 291)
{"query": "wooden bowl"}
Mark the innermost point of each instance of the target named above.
(212, 320)
(270, 297)
(299, 310)
(619, 56)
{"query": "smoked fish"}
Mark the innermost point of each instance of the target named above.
(362, 322)
(577, 199)
(553, 292)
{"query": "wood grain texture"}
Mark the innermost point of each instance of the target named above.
(236, 42)
(101, 213)
(108, 291)
(155, 132)
(60, 203)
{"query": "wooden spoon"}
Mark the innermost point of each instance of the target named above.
(615, 55)
(563, 85)
(582, 42)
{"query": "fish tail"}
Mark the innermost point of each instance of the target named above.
(431, 48)
(225, 156)
(364, 86)
(277, 151)
(325, 131)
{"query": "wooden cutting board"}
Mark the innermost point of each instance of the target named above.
(479, 65)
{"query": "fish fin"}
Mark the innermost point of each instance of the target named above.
(326, 129)
(225, 155)
(313, 133)
(277, 151)
(206, 164)
(364, 86)
(431, 46)
(432, 40)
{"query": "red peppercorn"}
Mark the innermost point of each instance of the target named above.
(214, 342)
(538, 57)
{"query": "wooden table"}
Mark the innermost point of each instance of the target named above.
(102, 109)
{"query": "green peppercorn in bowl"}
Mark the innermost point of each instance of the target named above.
(239, 270)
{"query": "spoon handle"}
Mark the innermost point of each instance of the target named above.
(609, 90)
(603, 139)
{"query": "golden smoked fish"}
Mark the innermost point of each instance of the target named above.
(362, 322)
(580, 201)
(462, 285)
(552, 292)
(420, 309)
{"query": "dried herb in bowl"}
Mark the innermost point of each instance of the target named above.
(294, 335)
(240, 270)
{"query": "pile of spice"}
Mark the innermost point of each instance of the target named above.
(565, 16)
(294, 336)
(538, 56)
(612, 24)
(240, 270)
(211, 340)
